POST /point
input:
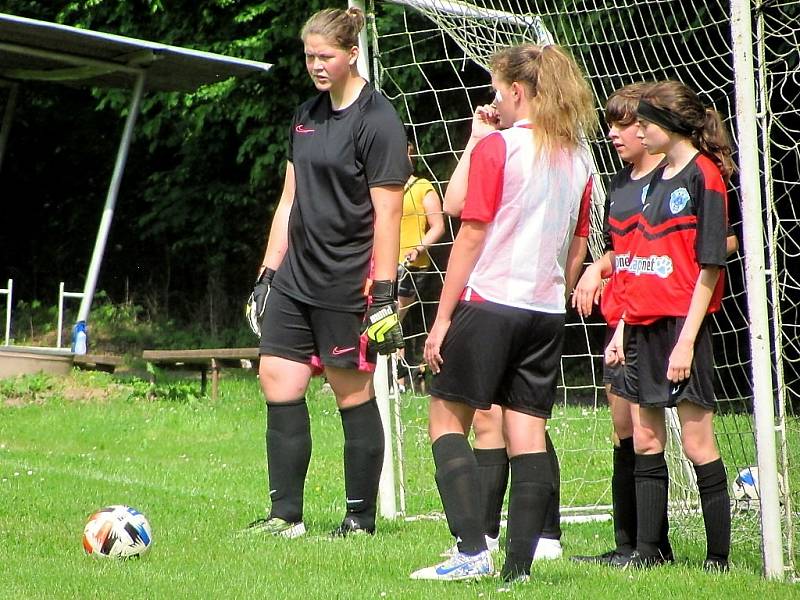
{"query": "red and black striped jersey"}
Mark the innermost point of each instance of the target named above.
(681, 228)
(621, 218)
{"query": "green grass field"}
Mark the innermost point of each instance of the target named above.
(197, 470)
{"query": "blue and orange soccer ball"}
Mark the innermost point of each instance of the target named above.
(118, 532)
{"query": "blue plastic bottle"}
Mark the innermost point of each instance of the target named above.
(80, 341)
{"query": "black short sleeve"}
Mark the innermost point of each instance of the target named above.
(712, 219)
(382, 144)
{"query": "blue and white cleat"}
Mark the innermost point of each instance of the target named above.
(458, 568)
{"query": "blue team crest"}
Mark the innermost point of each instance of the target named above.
(678, 200)
(644, 192)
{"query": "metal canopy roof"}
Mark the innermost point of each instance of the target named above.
(42, 51)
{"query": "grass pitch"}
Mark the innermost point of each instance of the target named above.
(197, 470)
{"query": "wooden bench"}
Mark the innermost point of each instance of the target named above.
(205, 360)
(97, 362)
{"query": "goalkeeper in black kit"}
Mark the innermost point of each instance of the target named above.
(325, 299)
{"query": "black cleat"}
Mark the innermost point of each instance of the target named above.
(351, 526)
(715, 565)
(636, 560)
(598, 559)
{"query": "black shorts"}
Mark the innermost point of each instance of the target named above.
(610, 374)
(647, 351)
(413, 282)
(497, 354)
(318, 336)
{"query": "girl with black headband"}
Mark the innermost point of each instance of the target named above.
(670, 281)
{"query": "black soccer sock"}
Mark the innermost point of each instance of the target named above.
(652, 487)
(459, 485)
(363, 460)
(288, 455)
(493, 476)
(623, 496)
(712, 482)
(532, 491)
(552, 523)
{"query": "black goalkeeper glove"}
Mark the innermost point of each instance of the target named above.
(381, 322)
(254, 309)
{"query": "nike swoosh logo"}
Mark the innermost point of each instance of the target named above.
(302, 129)
(336, 351)
(676, 389)
(357, 501)
(272, 492)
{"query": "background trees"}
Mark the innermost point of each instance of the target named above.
(204, 171)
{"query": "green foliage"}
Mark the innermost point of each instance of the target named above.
(27, 388)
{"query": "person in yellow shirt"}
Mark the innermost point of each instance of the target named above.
(421, 226)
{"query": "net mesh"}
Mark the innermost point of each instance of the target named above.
(430, 59)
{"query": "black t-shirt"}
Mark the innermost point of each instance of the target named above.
(338, 155)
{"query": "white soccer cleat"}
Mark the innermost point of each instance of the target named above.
(276, 527)
(548, 549)
(458, 568)
(493, 544)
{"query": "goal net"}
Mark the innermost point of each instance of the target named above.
(430, 58)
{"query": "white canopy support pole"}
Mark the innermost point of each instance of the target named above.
(9, 292)
(111, 200)
(756, 278)
(8, 117)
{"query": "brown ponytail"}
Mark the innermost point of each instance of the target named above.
(339, 27)
(704, 126)
(713, 139)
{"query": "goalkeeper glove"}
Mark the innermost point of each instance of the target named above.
(381, 322)
(254, 309)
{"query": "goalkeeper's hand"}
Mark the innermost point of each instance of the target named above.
(254, 309)
(381, 323)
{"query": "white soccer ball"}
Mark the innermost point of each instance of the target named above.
(117, 531)
(745, 486)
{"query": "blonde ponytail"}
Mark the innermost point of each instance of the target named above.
(561, 101)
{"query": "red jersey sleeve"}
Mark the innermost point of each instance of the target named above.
(582, 226)
(485, 183)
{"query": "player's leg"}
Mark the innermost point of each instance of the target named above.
(696, 413)
(549, 546)
(363, 447)
(349, 366)
(528, 396)
(466, 382)
(652, 482)
(284, 373)
(532, 489)
(623, 484)
(697, 435)
(489, 447)
(458, 484)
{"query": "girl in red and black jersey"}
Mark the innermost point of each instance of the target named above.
(499, 328)
(624, 202)
(334, 238)
(670, 281)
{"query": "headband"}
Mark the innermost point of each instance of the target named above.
(663, 117)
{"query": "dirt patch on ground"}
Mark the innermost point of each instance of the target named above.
(84, 394)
